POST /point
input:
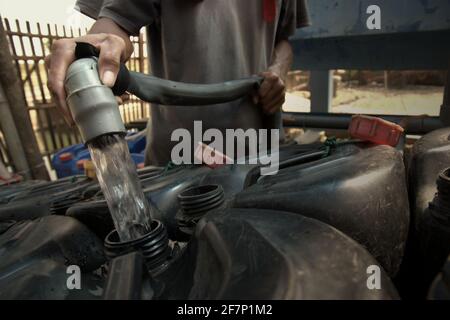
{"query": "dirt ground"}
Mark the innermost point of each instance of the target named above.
(412, 100)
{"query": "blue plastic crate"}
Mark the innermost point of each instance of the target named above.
(65, 160)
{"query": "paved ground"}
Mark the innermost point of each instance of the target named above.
(415, 100)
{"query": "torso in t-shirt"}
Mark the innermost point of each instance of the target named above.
(204, 41)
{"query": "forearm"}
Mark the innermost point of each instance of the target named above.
(282, 59)
(108, 26)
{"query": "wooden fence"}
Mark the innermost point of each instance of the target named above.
(5, 158)
(30, 44)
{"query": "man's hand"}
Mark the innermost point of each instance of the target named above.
(272, 93)
(114, 49)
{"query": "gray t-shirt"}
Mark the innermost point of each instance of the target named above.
(204, 41)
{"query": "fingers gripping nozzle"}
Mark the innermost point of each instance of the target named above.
(93, 105)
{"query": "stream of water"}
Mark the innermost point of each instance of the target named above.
(121, 187)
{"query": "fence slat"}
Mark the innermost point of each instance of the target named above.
(49, 123)
(39, 130)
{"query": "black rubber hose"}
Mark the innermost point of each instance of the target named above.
(165, 92)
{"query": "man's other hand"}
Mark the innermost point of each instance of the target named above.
(272, 93)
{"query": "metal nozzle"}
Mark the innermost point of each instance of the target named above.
(93, 106)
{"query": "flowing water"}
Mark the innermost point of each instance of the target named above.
(121, 187)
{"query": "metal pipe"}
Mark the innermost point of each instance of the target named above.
(92, 104)
(412, 124)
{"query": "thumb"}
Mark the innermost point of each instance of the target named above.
(109, 65)
(108, 77)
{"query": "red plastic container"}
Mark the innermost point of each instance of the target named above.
(375, 130)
